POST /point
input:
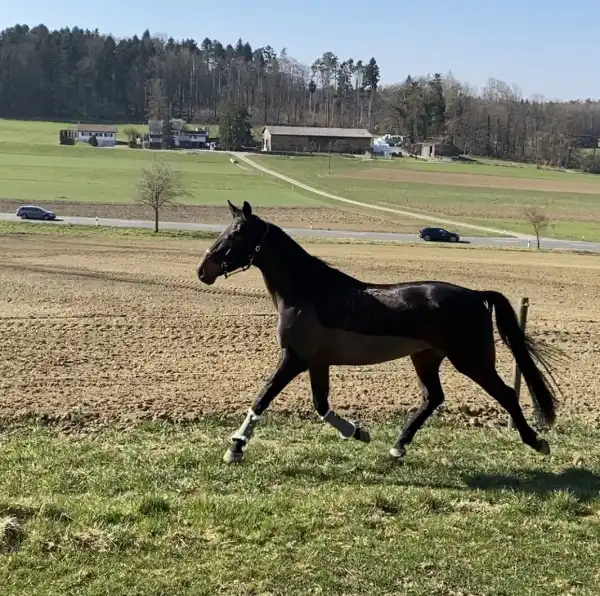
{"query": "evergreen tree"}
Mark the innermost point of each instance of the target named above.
(235, 128)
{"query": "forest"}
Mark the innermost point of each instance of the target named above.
(74, 74)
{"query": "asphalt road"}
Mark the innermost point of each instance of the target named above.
(315, 233)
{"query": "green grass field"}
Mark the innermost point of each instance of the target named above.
(317, 166)
(38, 173)
(154, 511)
(575, 215)
(559, 229)
(34, 168)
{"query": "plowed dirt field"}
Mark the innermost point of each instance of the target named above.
(120, 330)
(573, 185)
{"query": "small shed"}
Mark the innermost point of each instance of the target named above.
(312, 138)
(429, 146)
(436, 147)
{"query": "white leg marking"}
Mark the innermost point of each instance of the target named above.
(343, 426)
(244, 432)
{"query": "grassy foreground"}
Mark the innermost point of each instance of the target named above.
(153, 510)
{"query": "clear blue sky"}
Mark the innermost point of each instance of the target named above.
(543, 46)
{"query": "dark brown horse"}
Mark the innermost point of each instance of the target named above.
(329, 318)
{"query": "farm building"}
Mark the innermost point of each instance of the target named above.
(309, 138)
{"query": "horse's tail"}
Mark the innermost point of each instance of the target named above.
(525, 350)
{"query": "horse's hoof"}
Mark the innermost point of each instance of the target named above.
(233, 457)
(543, 447)
(398, 454)
(361, 434)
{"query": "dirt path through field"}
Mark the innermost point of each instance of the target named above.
(403, 212)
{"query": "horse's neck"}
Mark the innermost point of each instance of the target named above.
(284, 268)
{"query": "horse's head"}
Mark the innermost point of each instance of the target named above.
(236, 247)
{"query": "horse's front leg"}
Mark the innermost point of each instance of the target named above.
(319, 382)
(289, 367)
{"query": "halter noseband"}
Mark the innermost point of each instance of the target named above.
(251, 257)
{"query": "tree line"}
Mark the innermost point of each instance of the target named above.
(496, 122)
(81, 75)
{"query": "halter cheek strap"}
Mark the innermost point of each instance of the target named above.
(251, 258)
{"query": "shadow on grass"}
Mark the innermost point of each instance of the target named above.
(583, 484)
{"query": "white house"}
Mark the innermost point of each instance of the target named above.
(190, 139)
(106, 134)
(185, 138)
(182, 138)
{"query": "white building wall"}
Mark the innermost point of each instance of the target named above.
(105, 139)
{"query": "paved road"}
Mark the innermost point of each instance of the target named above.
(315, 233)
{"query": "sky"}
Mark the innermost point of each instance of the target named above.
(543, 47)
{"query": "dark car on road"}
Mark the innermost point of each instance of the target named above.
(438, 235)
(33, 212)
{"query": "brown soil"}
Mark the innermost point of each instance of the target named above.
(476, 180)
(121, 331)
(292, 217)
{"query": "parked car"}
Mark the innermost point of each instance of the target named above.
(33, 212)
(438, 235)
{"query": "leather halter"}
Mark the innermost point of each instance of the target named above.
(251, 257)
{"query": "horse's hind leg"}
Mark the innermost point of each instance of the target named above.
(485, 375)
(319, 382)
(427, 365)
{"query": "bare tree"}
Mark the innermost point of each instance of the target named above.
(538, 219)
(158, 105)
(159, 185)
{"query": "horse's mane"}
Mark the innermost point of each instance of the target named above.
(312, 270)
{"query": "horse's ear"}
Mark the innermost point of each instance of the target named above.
(246, 209)
(235, 212)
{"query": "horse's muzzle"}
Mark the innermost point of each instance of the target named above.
(208, 271)
(204, 275)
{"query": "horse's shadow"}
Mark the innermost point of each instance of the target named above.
(583, 484)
